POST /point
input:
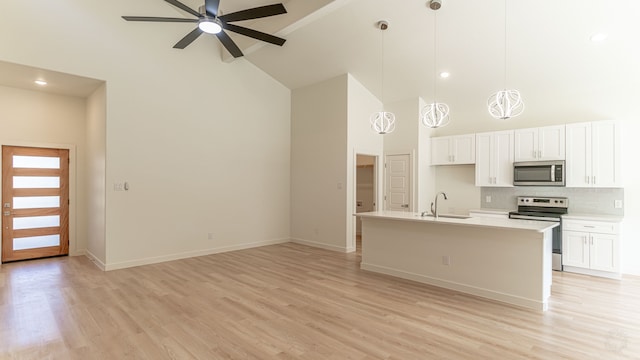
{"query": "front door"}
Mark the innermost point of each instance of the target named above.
(398, 172)
(35, 203)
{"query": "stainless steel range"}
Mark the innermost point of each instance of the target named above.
(545, 209)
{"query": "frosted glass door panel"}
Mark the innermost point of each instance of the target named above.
(34, 242)
(36, 162)
(35, 222)
(36, 202)
(36, 182)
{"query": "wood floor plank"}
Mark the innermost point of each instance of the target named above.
(289, 301)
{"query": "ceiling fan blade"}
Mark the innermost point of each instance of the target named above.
(188, 39)
(184, 7)
(255, 34)
(158, 19)
(229, 44)
(255, 13)
(212, 7)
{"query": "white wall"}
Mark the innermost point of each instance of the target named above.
(411, 137)
(203, 144)
(33, 118)
(319, 164)
(458, 182)
(95, 175)
(361, 140)
(330, 126)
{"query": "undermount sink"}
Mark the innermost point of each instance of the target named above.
(448, 216)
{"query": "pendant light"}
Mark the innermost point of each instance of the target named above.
(505, 104)
(436, 114)
(383, 122)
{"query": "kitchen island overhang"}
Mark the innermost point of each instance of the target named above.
(501, 259)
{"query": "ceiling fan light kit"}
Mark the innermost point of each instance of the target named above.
(505, 104)
(382, 122)
(210, 26)
(210, 21)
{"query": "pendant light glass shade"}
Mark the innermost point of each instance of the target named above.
(505, 104)
(435, 115)
(382, 122)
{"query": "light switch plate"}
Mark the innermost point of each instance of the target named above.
(487, 198)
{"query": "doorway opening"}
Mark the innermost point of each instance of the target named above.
(366, 191)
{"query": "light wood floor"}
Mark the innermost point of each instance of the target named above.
(295, 302)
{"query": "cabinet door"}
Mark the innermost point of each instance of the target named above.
(503, 158)
(606, 154)
(464, 149)
(526, 144)
(551, 143)
(440, 150)
(603, 252)
(578, 165)
(575, 249)
(484, 175)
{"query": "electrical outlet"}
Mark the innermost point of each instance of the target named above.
(487, 199)
(446, 260)
(617, 204)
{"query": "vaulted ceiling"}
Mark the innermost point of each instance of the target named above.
(549, 55)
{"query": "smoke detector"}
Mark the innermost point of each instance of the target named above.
(435, 4)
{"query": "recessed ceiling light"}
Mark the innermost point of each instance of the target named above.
(40, 82)
(444, 74)
(598, 37)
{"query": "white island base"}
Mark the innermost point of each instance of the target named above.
(500, 259)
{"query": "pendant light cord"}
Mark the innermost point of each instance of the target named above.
(382, 66)
(435, 57)
(505, 44)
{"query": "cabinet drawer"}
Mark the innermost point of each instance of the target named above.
(601, 227)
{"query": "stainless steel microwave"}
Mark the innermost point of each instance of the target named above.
(539, 173)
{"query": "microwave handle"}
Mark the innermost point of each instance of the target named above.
(553, 173)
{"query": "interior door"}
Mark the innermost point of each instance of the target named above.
(398, 182)
(35, 203)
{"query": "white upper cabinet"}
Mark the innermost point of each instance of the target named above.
(594, 154)
(494, 159)
(453, 150)
(537, 144)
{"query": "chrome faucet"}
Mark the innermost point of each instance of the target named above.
(435, 210)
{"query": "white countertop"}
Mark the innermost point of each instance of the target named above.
(539, 226)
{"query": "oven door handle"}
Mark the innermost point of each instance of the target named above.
(527, 217)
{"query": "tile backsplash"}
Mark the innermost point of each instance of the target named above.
(581, 200)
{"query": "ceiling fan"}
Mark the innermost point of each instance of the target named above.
(209, 21)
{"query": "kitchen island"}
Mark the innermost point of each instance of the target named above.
(501, 259)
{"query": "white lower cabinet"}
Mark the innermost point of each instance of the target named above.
(591, 247)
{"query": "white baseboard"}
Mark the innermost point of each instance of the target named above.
(577, 270)
(322, 245)
(82, 252)
(485, 293)
(190, 254)
(94, 259)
